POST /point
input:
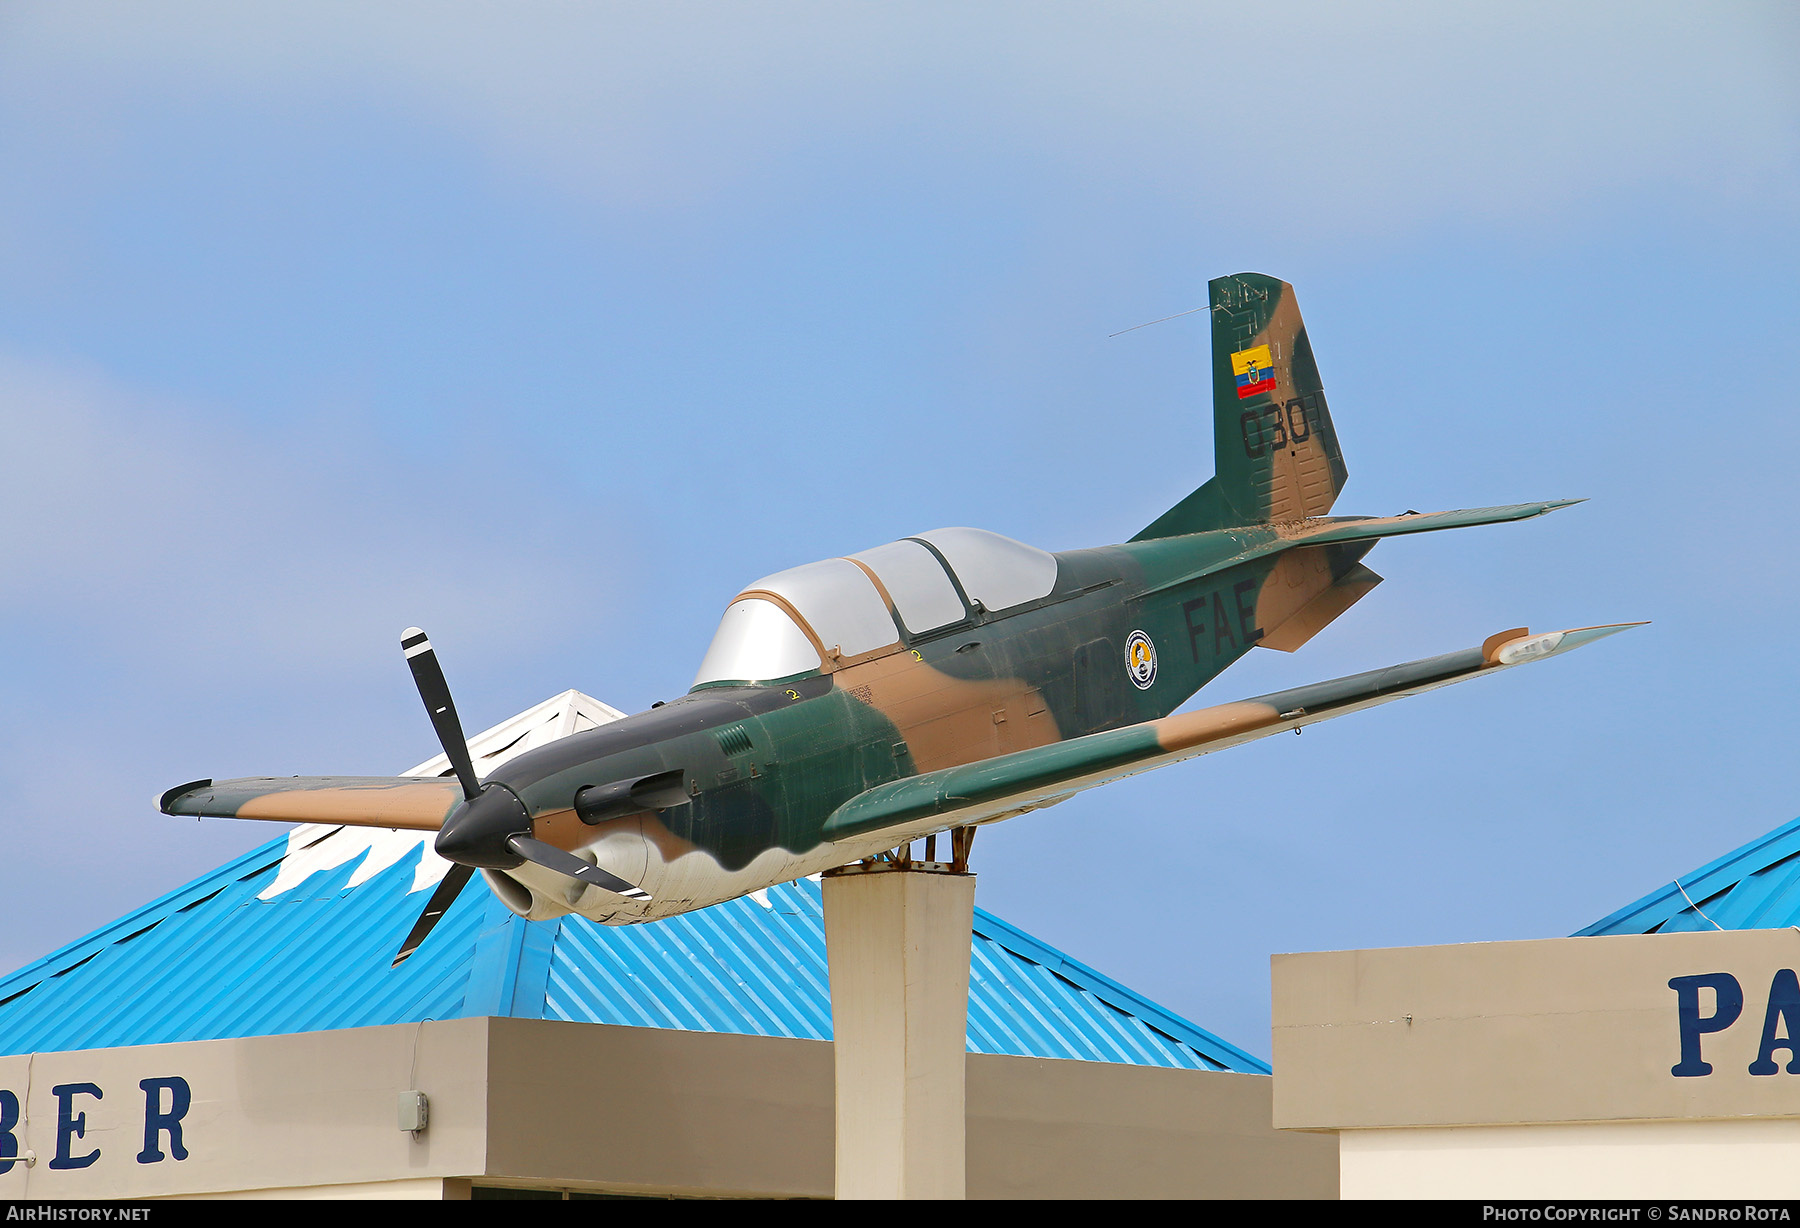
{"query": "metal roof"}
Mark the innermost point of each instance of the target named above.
(1750, 888)
(297, 936)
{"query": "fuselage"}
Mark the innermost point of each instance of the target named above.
(1124, 634)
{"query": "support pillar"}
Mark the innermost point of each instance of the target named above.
(897, 939)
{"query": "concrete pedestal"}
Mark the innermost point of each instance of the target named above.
(898, 943)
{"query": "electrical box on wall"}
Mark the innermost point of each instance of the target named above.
(415, 1111)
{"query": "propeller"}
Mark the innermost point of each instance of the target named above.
(448, 889)
(428, 675)
(553, 858)
(492, 828)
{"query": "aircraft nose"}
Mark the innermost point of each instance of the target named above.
(476, 833)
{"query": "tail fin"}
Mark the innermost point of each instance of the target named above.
(1275, 452)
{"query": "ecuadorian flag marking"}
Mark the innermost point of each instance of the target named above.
(1255, 371)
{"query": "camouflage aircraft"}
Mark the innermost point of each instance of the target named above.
(850, 707)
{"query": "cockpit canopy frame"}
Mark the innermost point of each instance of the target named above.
(822, 616)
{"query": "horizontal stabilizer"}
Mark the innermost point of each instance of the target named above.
(1335, 530)
(1000, 787)
(356, 801)
(1363, 528)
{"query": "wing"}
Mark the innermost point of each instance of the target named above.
(1009, 784)
(357, 801)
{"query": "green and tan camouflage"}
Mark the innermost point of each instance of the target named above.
(952, 679)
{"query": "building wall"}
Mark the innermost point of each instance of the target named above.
(263, 1112)
(753, 1115)
(533, 1104)
(654, 1110)
(411, 1189)
(1714, 1159)
(1041, 1129)
(1661, 1065)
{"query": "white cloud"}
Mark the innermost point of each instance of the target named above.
(1325, 114)
(130, 516)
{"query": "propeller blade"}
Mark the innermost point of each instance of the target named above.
(429, 676)
(435, 908)
(553, 858)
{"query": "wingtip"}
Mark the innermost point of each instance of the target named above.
(1519, 649)
(167, 797)
(1577, 636)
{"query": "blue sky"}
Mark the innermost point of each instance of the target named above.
(546, 327)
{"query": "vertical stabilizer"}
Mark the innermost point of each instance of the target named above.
(1275, 452)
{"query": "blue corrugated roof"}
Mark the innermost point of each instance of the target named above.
(217, 959)
(1755, 887)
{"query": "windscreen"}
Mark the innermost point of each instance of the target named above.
(839, 602)
(756, 642)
